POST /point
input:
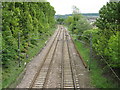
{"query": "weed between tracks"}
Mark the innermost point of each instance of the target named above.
(96, 73)
(10, 74)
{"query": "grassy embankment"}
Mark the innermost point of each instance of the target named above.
(96, 73)
(10, 74)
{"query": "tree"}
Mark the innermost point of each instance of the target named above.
(77, 23)
(27, 18)
(109, 25)
(69, 20)
(60, 20)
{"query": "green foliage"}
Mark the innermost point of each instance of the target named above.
(97, 78)
(27, 18)
(86, 35)
(96, 74)
(105, 41)
(103, 46)
(112, 51)
(32, 20)
(60, 20)
(77, 23)
(106, 37)
(69, 20)
(109, 25)
(109, 17)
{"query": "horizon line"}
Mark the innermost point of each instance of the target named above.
(71, 13)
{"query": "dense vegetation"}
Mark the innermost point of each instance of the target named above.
(96, 73)
(77, 24)
(25, 25)
(60, 20)
(104, 38)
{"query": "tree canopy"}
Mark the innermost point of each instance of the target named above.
(29, 19)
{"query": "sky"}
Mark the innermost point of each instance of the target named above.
(85, 6)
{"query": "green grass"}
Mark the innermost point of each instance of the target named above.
(84, 52)
(10, 74)
(97, 79)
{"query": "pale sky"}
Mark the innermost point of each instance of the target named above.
(85, 6)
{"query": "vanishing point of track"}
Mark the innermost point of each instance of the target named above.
(68, 75)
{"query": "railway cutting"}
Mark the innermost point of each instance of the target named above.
(58, 65)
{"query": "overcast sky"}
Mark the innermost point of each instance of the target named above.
(86, 6)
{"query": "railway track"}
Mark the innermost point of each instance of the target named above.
(59, 52)
(41, 75)
(70, 79)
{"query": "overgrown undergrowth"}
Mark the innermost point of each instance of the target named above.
(96, 72)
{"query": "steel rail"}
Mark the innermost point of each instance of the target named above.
(40, 67)
(50, 65)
